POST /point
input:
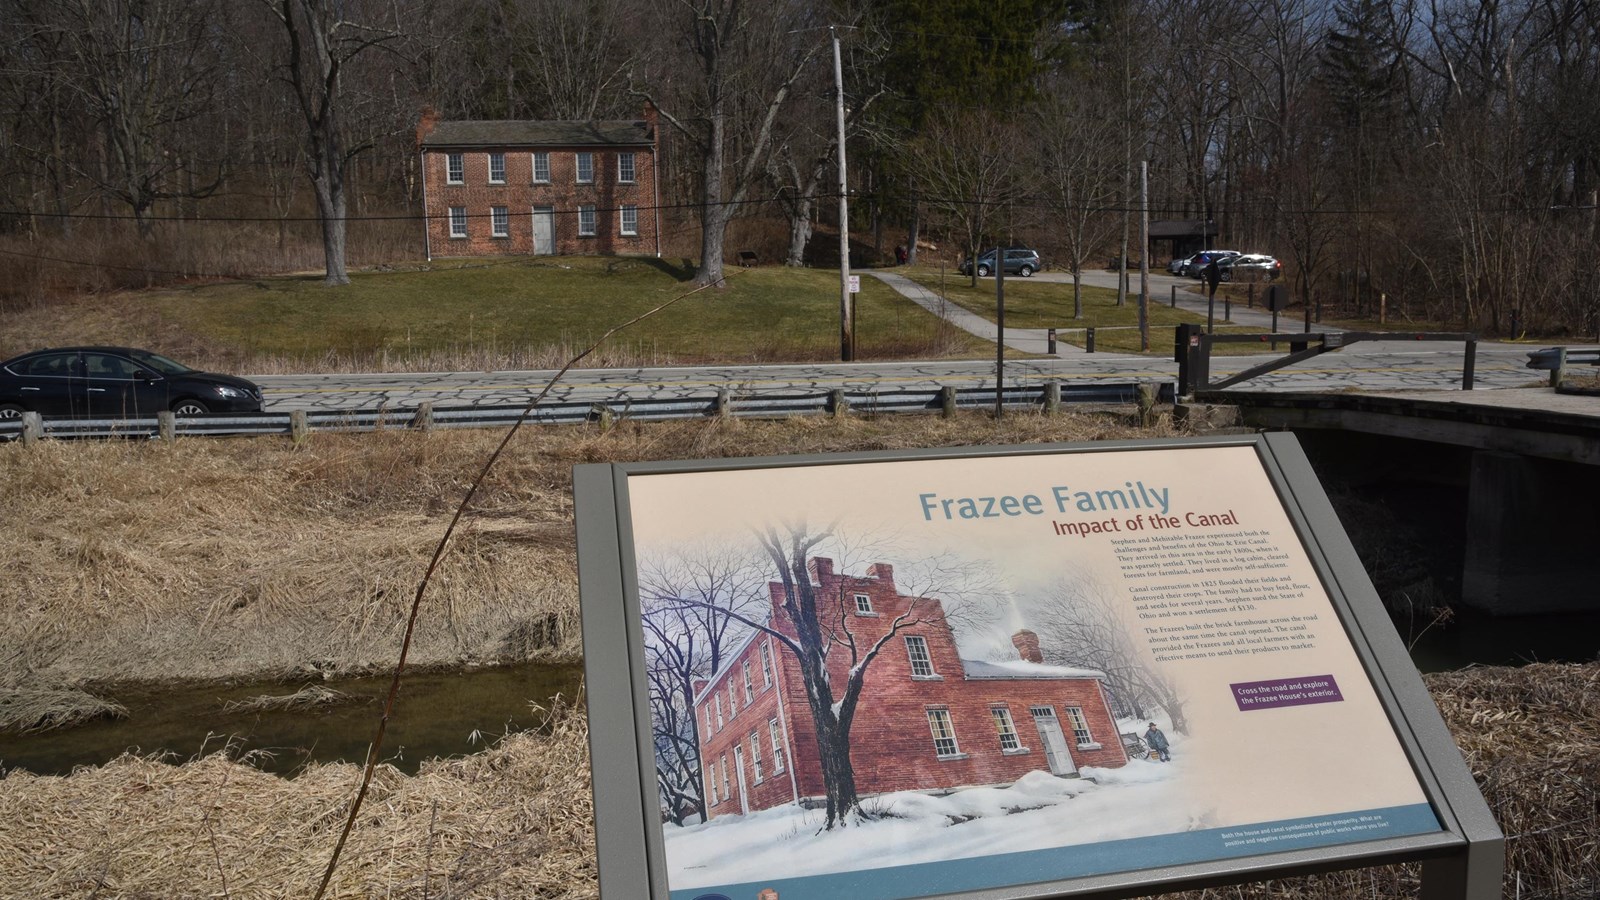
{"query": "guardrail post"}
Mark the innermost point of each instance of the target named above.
(947, 401)
(299, 428)
(167, 426)
(32, 428)
(1088, 339)
(1050, 341)
(1147, 404)
(1558, 373)
(1052, 397)
(838, 403)
(724, 404)
(422, 419)
(602, 414)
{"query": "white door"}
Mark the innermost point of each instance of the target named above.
(1055, 743)
(738, 766)
(544, 230)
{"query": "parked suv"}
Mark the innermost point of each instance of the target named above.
(1019, 261)
(1249, 267)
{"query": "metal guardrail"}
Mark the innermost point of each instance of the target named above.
(1556, 359)
(1192, 351)
(571, 412)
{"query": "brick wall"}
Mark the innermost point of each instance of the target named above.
(519, 195)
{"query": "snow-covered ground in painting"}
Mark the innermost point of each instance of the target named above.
(1038, 812)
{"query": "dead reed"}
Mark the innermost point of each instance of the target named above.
(29, 709)
(309, 697)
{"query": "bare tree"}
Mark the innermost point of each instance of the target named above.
(322, 43)
(967, 165)
(745, 65)
(1079, 175)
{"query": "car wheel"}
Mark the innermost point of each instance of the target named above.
(1025, 271)
(1226, 276)
(10, 412)
(189, 407)
(983, 271)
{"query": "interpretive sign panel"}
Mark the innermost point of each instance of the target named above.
(1038, 669)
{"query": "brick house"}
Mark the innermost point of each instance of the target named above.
(502, 188)
(928, 720)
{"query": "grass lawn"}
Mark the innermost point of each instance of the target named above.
(493, 313)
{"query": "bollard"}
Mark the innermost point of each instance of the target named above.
(1088, 339)
(838, 403)
(1052, 397)
(167, 426)
(299, 428)
(1147, 404)
(1250, 296)
(1174, 296)
(1308, 318)
(422, 419)
(1469, 363)
(1227, 308)
(947, 401)
(32, 428)
(1050, 341)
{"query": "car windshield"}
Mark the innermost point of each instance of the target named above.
(159, 363)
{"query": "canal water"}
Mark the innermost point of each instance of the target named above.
(438, 714)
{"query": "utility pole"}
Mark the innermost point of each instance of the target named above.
(1000, 327)
(1144, 255)
(847, 325)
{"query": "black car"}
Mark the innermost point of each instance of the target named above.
(1195, 267)
(116, 382)
(1019, 261)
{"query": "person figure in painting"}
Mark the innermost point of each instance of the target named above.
(1158, 742)
(767, 894)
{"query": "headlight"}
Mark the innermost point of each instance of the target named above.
(231, 393)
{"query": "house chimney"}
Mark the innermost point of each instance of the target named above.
(1027, 644)
(883, 572)
(820, 567)
(426, 123)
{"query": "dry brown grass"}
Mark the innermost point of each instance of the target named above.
(27, 709)
(217, 559)
(309, 697)
(514, 821)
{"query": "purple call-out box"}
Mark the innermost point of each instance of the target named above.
(1276, 692)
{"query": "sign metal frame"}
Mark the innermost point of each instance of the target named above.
(1462, 860)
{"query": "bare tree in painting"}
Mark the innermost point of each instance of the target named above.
(818, 637)
(688, 636)
(1085, 629)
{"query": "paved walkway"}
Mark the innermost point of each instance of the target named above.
(1035, 340)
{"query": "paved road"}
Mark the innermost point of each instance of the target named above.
(1385, 366)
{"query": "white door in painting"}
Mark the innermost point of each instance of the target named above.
(1055, 743)
(738, 766)
(544, 230)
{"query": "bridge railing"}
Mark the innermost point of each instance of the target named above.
(298, 423)
(1192, 348)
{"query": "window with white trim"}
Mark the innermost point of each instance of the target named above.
(541, 167)
(777, 745)
(749, 685)
(1080, 726)
(766, 665)
(711, 782)
(500, 219)
(458, 221)
(863, 604)
(733, 700)
(625, 169)
(455, 168)
(755, 754)
(726, 790)
(1006, 727)
(585, 167)
(718, 700)
(921, 662)
(944, 733)
(628, 222)
(497, 168)
(738, 766)
(709, 732)
(586, 220)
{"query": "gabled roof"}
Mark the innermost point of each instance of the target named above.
(531, 133)
(1020, 670)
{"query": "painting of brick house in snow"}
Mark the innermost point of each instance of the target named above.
(523, 187)
(928, 720)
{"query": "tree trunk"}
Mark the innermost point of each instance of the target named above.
(799, 232)
(714, 213)
(911, 233)
(331, 210)
(838, 774)
(1077, 293)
